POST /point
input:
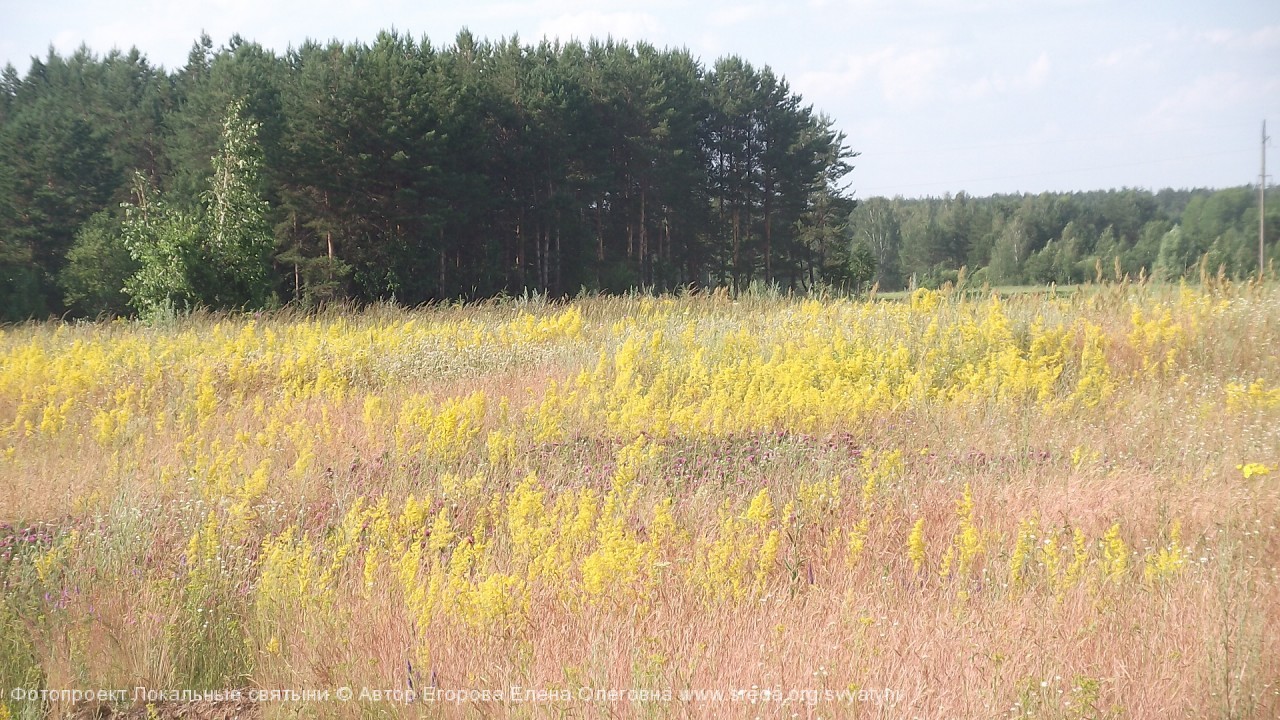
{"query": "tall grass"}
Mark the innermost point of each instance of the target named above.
(1056, 506)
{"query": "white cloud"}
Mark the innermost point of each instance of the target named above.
(1125, 56)
(738, 14)
(1261, 38)
(1265, 37)
(583, 25)
(1035, 75)
(923, 8)
(833, 82)
(713, 46)
(163, 36)
(906, 76)
(912, 76)
(1203, 96)
(1032, 78)
(1219, 36)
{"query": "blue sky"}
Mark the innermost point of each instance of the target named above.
(939, 96)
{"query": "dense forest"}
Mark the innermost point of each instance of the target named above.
(402, 170)
(1064, 237)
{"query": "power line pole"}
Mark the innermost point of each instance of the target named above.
(1262, 206)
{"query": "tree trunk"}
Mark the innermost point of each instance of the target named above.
(519, 270)
(443, 262)
(600, 244)
(556, 277)
(737, 248)
(768, 231)
(644, 240)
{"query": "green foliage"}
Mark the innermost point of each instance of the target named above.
(216, 257)
(21, 292)
(98, 266)
(824, 236)
(71, 134)
(316, 281)
(486, 168)
(1041, 267)
(164, 242)
(1010, 253)
(1059, 261)
(19, 665)
(207, 638)
(238, 240)
(1142, 256)
(1178, 253)
(402, 169)
(861, 267)
(1108, 252)
(20, 609)
(876, 224)
(1064, 238)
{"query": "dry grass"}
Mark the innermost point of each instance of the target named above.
(679, 497)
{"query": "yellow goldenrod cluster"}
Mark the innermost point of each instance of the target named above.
(1254, 396)
(1157, 337)
(1115, 554)
(1023, 554)
(527, 327)
(1253, 469)
(858, 540)
(740, 556)
(1169, 560)
(915, 545)
(661, 371)
(814, 499)
(967, 544)
(468, 472)
(446, 430)
(877, 468)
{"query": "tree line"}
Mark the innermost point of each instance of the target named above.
(398, 169)
(1063, 237)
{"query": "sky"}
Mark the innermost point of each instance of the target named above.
(937, 96)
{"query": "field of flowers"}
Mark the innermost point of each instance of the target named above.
(939, 507)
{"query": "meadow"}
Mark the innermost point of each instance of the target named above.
(706, 506)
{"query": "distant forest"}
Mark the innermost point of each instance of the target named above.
(402, 170)
(1064, 237)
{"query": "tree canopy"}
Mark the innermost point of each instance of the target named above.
(400, 169)
(404, 170)
(1065, 237)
